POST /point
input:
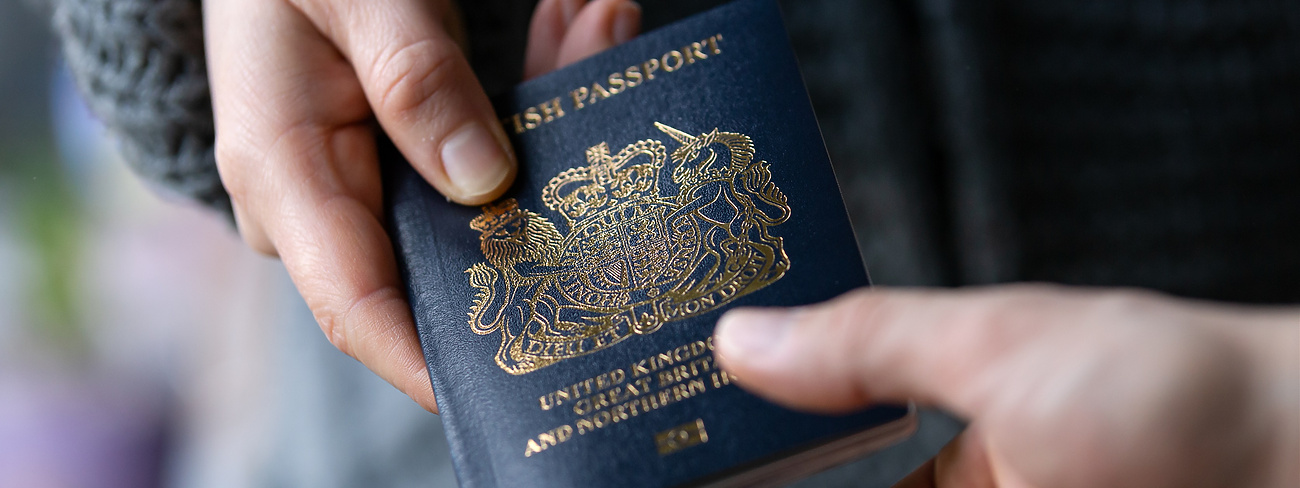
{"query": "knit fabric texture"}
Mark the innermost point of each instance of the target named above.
(140, 64)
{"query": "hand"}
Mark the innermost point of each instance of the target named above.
(295, 84)
(1062, 387)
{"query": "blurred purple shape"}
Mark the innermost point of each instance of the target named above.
(60, 432)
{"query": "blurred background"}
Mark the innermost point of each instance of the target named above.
(115, 304)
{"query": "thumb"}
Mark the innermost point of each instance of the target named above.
(423, 92)
(940, 348)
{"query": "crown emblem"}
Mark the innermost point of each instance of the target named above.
(630, 176)
(643, 247)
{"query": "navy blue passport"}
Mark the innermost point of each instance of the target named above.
(567, 325)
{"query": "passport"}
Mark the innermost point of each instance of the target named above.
(567, 326)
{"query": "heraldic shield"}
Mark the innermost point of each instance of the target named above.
(635, 256)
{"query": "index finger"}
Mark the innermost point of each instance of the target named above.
(294, 145)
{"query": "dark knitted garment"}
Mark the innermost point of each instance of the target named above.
(140, 64)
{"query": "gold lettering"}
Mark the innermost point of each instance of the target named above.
(598, 93)
(665, 378)
(689, 52)
(639, 368)
(582, 407)
(721, 379)
(633, 75)
(713, 43)
(669, 68)
(551, 110)
(532, 119)
(698, 50)
(695, 387)
(615, 82)
(512, 122)
(679, 353)
(579, 94)
(707, 300)
(563, 433)
(544, 400)
(585, 426)
(532, 448)
(699, 348)
(650, 67)
(660, 380)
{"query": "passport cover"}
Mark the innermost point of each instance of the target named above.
(567, 325)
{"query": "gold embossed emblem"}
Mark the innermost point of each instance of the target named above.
(636, 253)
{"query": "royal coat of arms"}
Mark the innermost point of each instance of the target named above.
(634, 256)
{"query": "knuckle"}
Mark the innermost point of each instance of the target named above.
(1009, 307)
(231, 159)
(854, 319)
(257, 241)
(409, 76)
(332, 325)
(251, 230)
(234, 169)
(357, 320)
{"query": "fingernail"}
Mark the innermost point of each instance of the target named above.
(626, 22)
(474, 161)
(751, 332)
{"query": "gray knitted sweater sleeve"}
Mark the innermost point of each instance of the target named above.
(140, 64)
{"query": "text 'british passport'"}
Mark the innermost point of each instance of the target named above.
(567, 325)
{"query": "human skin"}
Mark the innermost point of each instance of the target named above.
(296, 87)
(1063, 387)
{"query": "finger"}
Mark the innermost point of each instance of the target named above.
(945, 348)
(251, 229)
(962, 463)
(338, 254)
(550, 21)
(600, 25)
(342, 261)
(295, 149)
(423, 92)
